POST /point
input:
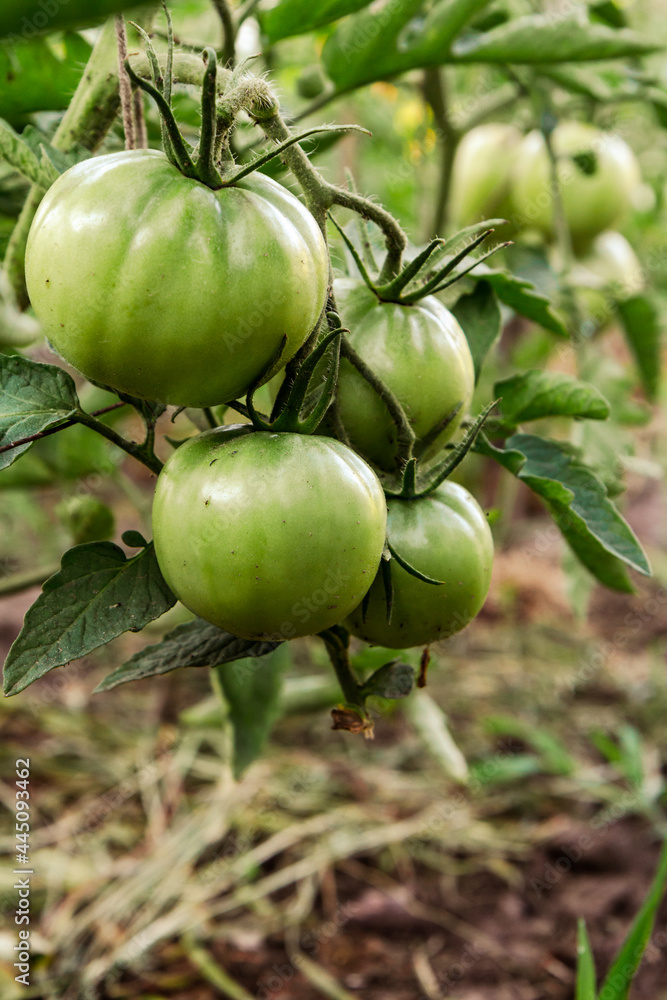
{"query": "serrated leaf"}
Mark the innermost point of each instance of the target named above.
(618, 980)
(19, 155)
(251, 691)
(522, 296)
(393, 680)
(192, 644)
(394, 37)
(478, 313)
(535, 394)
(642, 328)
(577, 500)
(542, 38)
(33, 397)
(585, 964)
(96, 596)
(296, 17)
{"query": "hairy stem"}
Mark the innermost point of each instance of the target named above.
(125, 85)
(142, 452)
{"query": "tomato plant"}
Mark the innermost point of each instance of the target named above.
(422, 355)
(444, 536)
(268, 535)
(153, 284)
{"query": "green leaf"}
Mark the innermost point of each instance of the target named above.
(38, 75)
(193, 644)
(535, 394)
(521, 296)
(19, 155)
(478, 313)
(542, 38)
(251, 690)
(585, 965)
(642, 328)
(393, 680)
(27, 18)
(577, 500)
(96, 596)
(33, 397)
(295, 17)
(618, 980)
(608, 12)
(394, 37)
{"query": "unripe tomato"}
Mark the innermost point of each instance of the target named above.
(153, 284)
(592, 201)
(608, 273)
(420, 352)
(446, 537)
(482, 173)
(269, 536)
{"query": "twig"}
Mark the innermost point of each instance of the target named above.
(54, 430)
(435, 93)
(126, 101)
(229, 45)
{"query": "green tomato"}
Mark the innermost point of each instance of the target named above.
(269, 536)
(482, 173)
(87, 519)
(446, 537)
(592, 201)
(153, 284)
(421, 354)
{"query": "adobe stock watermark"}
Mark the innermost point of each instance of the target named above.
(39, 21)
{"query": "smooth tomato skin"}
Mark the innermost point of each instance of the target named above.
(591, 202)
(482, 173)
(153, 284)
(420, 352)
(447, 537)
(269, 536)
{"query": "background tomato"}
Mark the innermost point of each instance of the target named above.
(421, 354)
(152, 283)
(446, 537)
(268, 535)
(482, 173)
(592, 201)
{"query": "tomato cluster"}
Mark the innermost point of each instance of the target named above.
(161, 287)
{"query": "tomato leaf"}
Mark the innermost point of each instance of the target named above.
(33, 397)
(522, 296)
(535, 394)
(578, 502)
(295, 17)
(250, 690)
(37, 76)
(96, 596)
(393, 680)
(543, 38)
(479, 314)
(28, 18)
(193, 644)
(618, 980)
(642, 328)
(394, 37)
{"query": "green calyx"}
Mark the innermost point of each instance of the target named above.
(419, 277)
(414, 483)
(304, 399)
(212, 162)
